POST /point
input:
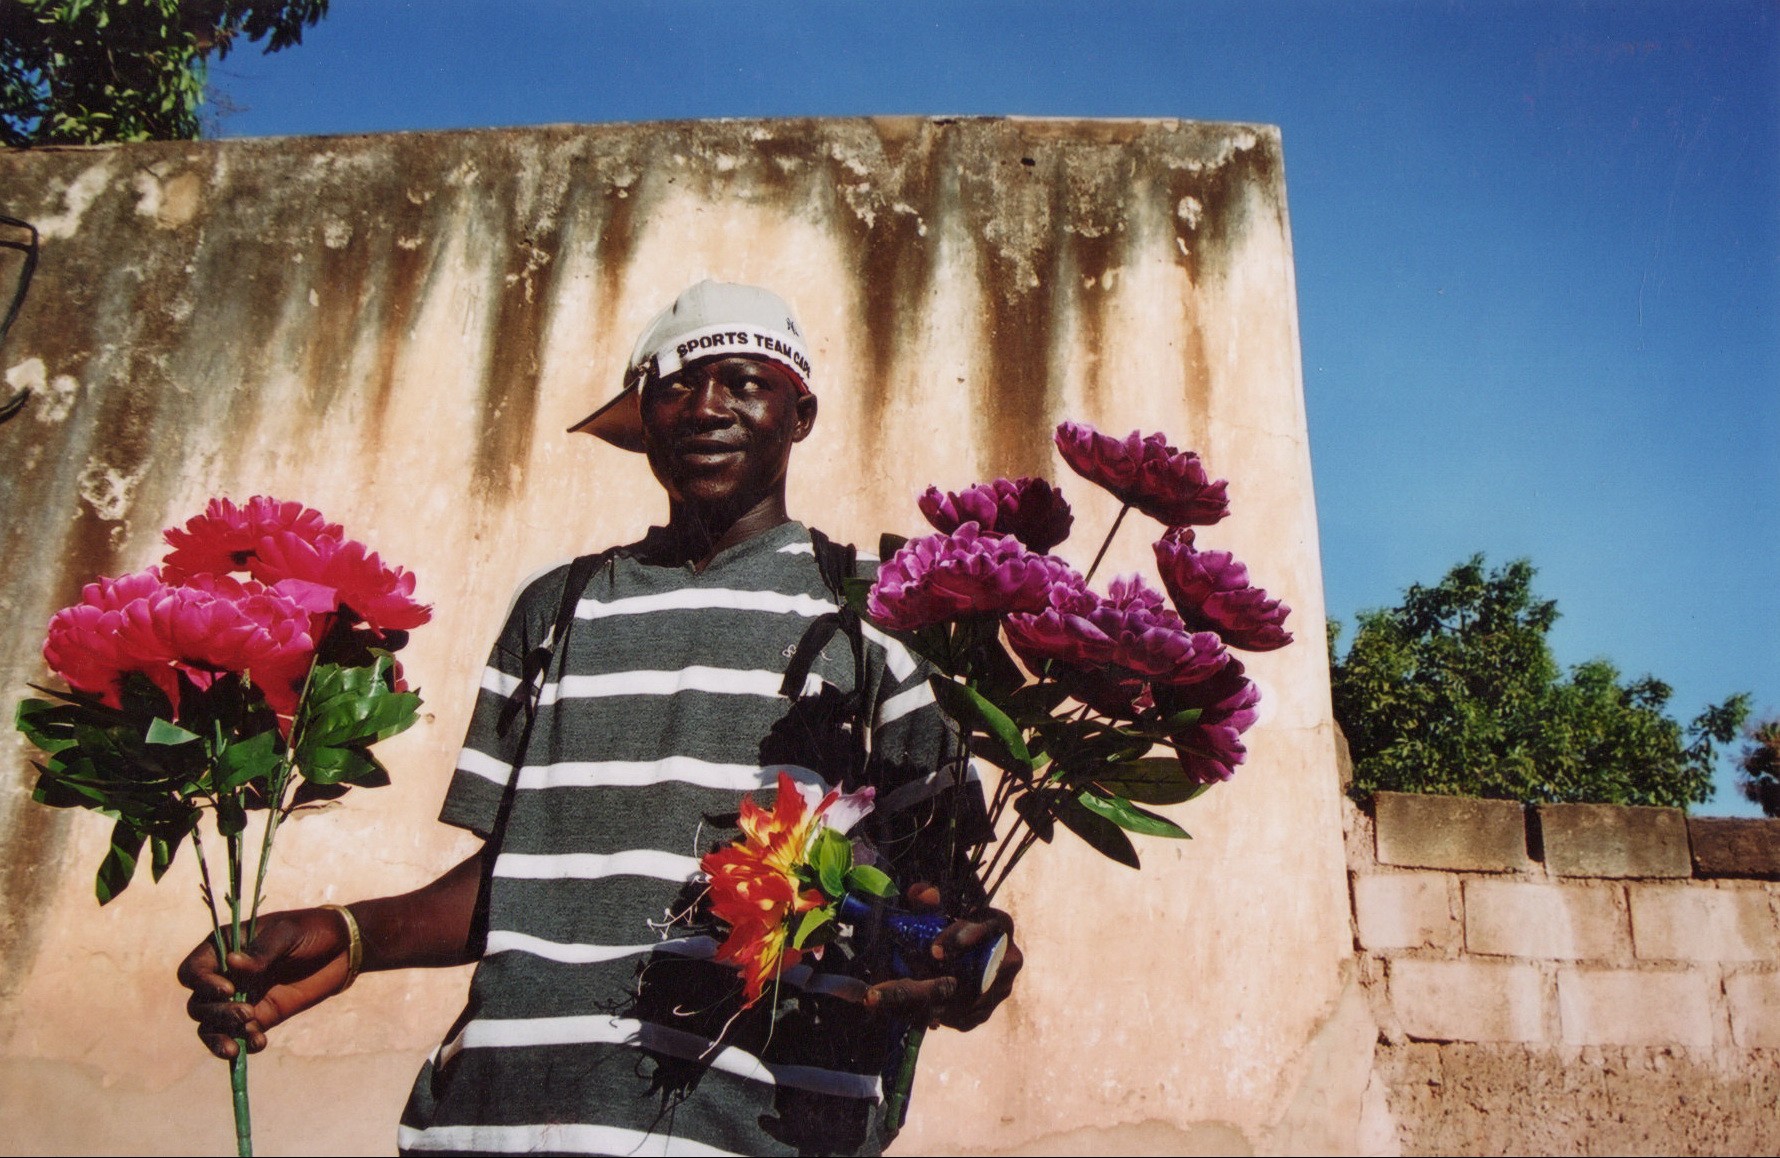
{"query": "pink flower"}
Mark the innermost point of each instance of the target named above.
(226, 537)
(1211, 748)
(213, 626)
(1029, 509)
(1211, 591)
(944, 577)
(1146, 473)
(341, 572)
(1113, 648)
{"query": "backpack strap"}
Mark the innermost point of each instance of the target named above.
(525, 696)
(837, 562)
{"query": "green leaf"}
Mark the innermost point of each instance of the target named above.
(255, 758)
(1038, 809)
(169, 734)
(965, 705)
(337, 766)
(161, 852)
(831, 856)
(119, 864)
(856, 591)
(1185, 718)
(1034, 700)
(1130, 817)
(43, 723)
(1101, 834)
(231, 817)
(810, 924)
(889, 544)
(871, 881)
(1154, 780)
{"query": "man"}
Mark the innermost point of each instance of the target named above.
(597, 1022)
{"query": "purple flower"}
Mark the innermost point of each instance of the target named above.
(1147, 473)
(1113, 648)
(1211, 591)
(944, 577)
(1029, 509)
(1211, 748)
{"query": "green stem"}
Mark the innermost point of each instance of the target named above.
(238, 1064)
(238, 1092)
(1105, 543)
(896, 1107)
(275, 797)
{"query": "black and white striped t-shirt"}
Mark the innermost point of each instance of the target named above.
(591, 1018)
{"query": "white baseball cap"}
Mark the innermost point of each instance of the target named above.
(712, 319)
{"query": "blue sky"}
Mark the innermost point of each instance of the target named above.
(1538, 245)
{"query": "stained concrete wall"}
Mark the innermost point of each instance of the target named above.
(396, 329)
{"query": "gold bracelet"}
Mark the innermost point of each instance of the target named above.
(355, 946)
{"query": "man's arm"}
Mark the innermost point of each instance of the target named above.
(299, 958)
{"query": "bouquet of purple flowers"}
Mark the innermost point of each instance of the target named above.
(1102, 681)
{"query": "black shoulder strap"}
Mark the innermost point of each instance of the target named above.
(837, 562)
(525, 696)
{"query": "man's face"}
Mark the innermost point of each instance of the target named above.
(721, 431)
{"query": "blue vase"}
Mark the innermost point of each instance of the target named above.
(911, 937)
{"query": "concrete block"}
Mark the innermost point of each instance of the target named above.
(1754, 999)
(1468, 1000)
(1451, 832)
(1521, 918)
(1635, 1007)
(1698, 922)
(1727, 847)
(1404, 911)
(1612, 840)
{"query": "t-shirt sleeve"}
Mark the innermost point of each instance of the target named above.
(485, 763)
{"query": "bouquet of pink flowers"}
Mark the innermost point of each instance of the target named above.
(1102, 680)
(251, 671)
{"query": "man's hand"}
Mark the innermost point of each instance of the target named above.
(944, 1000)
(299, 958)
(295, 960)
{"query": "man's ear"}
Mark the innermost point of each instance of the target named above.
(806, 417)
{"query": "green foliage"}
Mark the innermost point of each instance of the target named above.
(83, 72)
(1758, 766)
(153, 777)
(1083, 770)
(1455, 691)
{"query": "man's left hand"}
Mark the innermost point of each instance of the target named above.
(943, 999)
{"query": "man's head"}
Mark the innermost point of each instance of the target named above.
(716, 395)
(710, 320)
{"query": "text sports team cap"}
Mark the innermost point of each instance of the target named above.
(712, 319)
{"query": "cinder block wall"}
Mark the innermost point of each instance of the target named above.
(1568, 979)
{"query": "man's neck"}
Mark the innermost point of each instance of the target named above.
(696, 535)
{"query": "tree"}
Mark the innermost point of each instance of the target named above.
(82, 72)
(1455, 691)
(1758, 767)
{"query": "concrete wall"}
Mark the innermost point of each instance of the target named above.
(397, 329)
(1571, 979)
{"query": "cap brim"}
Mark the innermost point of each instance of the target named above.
(619, 422)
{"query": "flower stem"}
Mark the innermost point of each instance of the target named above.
(1105, 543)
(275, 798)
(238, 1064)
(238, 1091)
(896, 1107)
